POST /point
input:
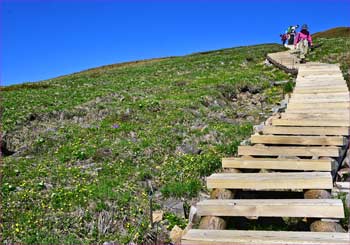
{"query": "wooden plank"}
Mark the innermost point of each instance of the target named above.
(312, 208)
(325, 77)
(330, 151)
(320, 81)
(318, 100)
(321, 90)
(318, 85)
(321, 78)
(317, 111)
(196, 236)
(306, 130)
(321, 95)
(319, 116)
(298, 140)
(310, 122)
(323, 72)
(271, 181)
(316, 82)
(327, 105)
(277, 163)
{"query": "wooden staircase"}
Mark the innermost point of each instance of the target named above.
(298, 151)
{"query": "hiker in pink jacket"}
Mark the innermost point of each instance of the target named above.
(302, 42)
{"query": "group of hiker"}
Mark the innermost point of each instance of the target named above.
(302, 40)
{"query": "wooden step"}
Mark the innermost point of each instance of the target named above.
(318, 116)
(197, 236)
(318, 100)
(310, 122)
(319, 83)
(318, 111)
(311, 208)
(317, 86)
(306, 130)
(298, 140)
(328, 105)
(321, 91)
(322, 95)
(332, 89)
(271, 181)
(323, 77)
(330, 151)
(319, 72)
(278, 163)
(319, 80)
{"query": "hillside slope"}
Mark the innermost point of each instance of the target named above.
(85, 145)
(334, 48)
(333, 33)
(83, 149)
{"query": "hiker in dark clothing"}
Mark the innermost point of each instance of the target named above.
(284, 38)
(292, 30)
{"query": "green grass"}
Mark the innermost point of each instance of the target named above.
(337, 32)
(333, 50)
(134, 120)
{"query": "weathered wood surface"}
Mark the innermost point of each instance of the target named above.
(315, 208)
(321, 95)
(311, 122)
(263, 237)
(319, 100)
(323, 105)
(298, 140)
(278, 163)
(271, 181)
(306, 130)
(329, 151)
(318, 111)
(318, 116)
(333, 89)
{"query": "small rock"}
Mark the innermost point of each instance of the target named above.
(343, 173)
(267, 63)
(175, 206)
(187, 148)
(193, 216)
(323, 226)
(259, 128)
(250, 118)
(221, 194)
(317, 194)
(245, 142)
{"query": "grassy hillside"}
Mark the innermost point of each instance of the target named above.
(87, 145)
(333, 33)
(334, 48)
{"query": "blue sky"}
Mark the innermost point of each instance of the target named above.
(45, 39)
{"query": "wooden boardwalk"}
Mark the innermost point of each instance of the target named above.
(298, 150)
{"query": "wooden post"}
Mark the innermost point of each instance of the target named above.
(214, 222)
(325, 226)
(317, 194)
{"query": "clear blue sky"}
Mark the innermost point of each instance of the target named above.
(45, 39)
